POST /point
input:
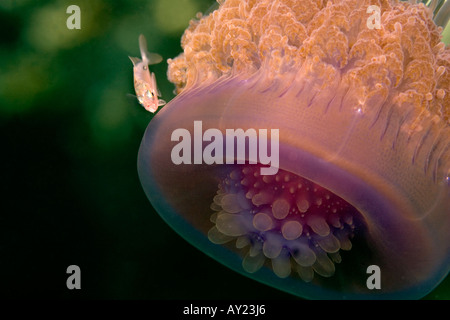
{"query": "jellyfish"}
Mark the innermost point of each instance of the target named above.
(308, 147)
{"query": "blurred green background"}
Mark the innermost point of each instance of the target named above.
(70, 190)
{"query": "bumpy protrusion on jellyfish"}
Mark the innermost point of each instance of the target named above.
(403, 60)
(296, 224)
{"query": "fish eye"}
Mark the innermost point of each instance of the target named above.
(144, 67)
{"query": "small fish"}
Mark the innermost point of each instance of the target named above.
(144, 81)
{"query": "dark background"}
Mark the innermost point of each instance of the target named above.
(70, 137)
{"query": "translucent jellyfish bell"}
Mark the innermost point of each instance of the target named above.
(363, 154)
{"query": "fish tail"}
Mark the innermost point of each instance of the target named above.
(143, 48)
(148, 57)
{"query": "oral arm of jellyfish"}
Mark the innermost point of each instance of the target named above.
(144, 81)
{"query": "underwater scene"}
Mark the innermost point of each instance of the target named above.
(230, 149)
